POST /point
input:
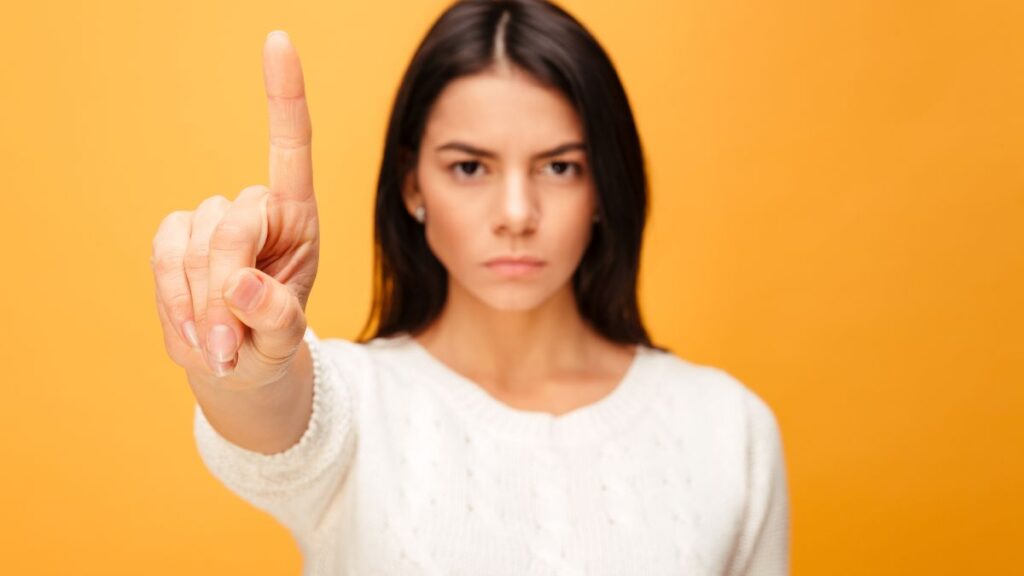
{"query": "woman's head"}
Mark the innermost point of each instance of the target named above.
(512, 129)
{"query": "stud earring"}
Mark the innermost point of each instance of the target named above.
(597, 217)
(421, 213)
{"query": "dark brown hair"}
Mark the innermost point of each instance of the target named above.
(410, 283)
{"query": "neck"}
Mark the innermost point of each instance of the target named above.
(512, 350)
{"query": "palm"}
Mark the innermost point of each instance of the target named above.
(293, 243)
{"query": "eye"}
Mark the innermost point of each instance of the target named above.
(466, 168)
(562, 168)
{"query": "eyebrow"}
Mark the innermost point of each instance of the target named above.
(462, 146)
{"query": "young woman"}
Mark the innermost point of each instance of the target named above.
(504, 411)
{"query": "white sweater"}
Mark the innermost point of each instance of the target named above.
(407, 467)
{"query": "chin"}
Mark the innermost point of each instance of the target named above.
(514, 304)
(511, 297)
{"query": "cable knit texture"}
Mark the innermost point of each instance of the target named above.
(408, 467)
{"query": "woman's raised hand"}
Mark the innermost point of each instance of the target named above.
(233, 277)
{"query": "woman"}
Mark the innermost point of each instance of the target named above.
(504, 411)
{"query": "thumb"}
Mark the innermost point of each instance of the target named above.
(270, 309)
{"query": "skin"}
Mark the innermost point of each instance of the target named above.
(232, 277)
(521, 339)
(240, 342)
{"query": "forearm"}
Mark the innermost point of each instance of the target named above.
(268, 419)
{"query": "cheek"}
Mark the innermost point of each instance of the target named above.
(572, 229)
(450, 228)
(443, 231)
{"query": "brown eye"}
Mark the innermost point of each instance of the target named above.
(562, 168)
(466, 168)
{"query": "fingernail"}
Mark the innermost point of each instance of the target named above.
(246, 292)
(221, 343)
(221, 369)
(280, 32)
(189, 328)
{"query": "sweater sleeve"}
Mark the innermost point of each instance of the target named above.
(295, 485)
(763, 548)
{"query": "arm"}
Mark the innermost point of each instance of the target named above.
(267, 419)
(295, 485)
(764, 545)
(232, 282)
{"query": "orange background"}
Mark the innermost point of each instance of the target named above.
(838, 220)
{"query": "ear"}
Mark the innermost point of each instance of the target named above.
(411, 195)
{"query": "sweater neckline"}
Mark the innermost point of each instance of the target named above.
(590, 423)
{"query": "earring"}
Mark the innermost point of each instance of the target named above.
(421, 213)
(597, 217)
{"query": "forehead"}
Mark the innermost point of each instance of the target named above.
(502, 108)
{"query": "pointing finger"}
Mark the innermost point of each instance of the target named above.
(291, 170)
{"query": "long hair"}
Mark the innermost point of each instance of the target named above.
(410, 283)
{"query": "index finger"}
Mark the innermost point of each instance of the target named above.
(291, 165)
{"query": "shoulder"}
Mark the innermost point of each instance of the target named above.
(370, 364)
(713, 393)
(348, 356)
(392, 348)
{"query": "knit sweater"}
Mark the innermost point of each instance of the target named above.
(408, 467)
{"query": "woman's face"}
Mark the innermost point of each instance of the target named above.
(502, 172)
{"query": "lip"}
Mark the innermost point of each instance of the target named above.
(515, 266)
(522, 260)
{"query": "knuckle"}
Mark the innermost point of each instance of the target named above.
(283, 318)
(165, 264)
(289, 142)
(214, 201)
(278, 364)
(211, 207)
(215, 301)
(174, 220)
(228, 236)
(174, 217)
(179, 306)
(200, 316)
(197, 258)
(255, 190)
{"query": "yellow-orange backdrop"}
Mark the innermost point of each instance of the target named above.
(838, 220)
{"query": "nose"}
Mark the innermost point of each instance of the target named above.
(518, 211)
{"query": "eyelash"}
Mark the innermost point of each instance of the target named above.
(571, 165)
